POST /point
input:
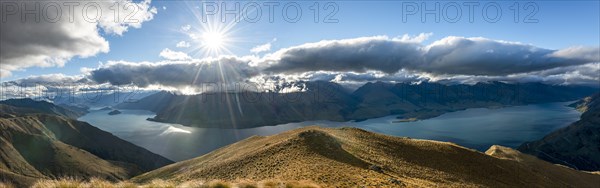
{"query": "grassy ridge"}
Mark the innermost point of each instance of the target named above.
(98, 183)
(351, 157)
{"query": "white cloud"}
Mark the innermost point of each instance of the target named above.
(263, 47)
(4, 73)
(142, 12)
(48, 43)
(183, 44)
(186, 28)
(174, 55)
(416, 39)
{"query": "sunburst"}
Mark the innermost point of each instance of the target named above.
(211, 37)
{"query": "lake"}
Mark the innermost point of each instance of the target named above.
(476, 128)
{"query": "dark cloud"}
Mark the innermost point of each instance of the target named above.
(451, 55)
(357, 55)
(176, 74)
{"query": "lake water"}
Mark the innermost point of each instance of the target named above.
(476, 128)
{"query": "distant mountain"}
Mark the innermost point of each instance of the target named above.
(320, 100)
(351, 157)
(427, 100)
(100, 99)
(43, 143)
(577, 145)
(330, 101)
(154, 102)
(44, 107)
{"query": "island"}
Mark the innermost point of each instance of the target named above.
(114, 112)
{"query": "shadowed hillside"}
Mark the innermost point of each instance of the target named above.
(577, 145)
(38, 144)
(350, 157)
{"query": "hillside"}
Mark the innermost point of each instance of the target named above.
(36, 145)
(350, 157)
(330, 101)
(577, 145)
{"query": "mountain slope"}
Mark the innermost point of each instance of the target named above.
(36, 145)
(350, 157)
(577, 145)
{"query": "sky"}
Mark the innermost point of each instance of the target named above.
(558, 38)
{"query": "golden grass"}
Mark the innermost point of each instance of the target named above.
(6, 185)
(97, 183)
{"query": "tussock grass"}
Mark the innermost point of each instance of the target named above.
(98, 183)
(6, 185)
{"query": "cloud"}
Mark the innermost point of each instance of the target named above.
(263, 47)
(183, 44)
(481, 56)
(44, 86)
(450, 55)
(416, 39)
(173, 55)
(54, 39)
(186, 28)
(353, 62)
(369, 59)
(358, 55)
(175, 74)
(52, 79)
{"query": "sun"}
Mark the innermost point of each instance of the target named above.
(213, 40)
(211, 37)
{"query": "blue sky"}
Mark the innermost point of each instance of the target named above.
(561, 24)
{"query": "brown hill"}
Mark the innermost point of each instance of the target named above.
(36, 145)
(351, 157)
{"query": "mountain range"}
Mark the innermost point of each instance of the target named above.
(329, 101)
